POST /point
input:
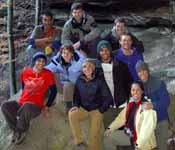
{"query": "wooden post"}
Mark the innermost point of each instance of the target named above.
(11, 48)
(37, 11)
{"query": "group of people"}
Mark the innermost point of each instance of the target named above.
(103, 78)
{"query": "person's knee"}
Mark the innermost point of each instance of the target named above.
(73, 114)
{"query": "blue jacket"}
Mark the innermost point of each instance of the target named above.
(130, 61)
(93, 94)
(68, 72)
(156, 90)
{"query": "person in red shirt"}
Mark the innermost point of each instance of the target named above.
(35, 82)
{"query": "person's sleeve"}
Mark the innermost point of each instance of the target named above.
(105, 35)
(94, 30)
(56, 41)
(106, 96)
(53, 65)
(66, 34)
(33, 36)
(119, 121)
(76, 97)
(81, 57)
(52, 95)
(148, 126)
(164, 98)
(128, 79)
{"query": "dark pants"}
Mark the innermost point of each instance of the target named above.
(18, 116)
(90, 48)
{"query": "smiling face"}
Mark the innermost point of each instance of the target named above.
(105, 54)
(66, 54)
(88, 69)
(39, 64)
(136, 92)
(77, 14)
(126, 42)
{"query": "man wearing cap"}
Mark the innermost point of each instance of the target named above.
(156, 90)
(81, 30)
(35, 82)
(117, 77)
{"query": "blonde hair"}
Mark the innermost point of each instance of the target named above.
(89, 63)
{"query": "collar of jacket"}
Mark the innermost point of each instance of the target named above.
(61, 61)
(152, 84)
(82, 76)
(75, 24)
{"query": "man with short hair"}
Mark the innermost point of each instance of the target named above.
(35, 82)
(81, 31)
(117, 77)
(45, 37)
(128, 54)
(113, 36)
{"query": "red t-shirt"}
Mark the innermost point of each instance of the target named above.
(35, 85)
(49, 33)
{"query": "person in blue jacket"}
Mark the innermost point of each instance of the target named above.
(67, 63)
(156, 90)
(92, 98)
(128, 54)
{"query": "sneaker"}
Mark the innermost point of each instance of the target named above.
(81, 146)
(20, 137)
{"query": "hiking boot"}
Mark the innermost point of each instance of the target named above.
(20, 137)
(81, 146)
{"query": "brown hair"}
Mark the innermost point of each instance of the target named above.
(76, 6)
(121, 20)
(67, 47)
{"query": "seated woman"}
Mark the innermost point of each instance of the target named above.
(139, 124)
(67, 63)
(91, 99)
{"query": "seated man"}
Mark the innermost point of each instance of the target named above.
(45, 36)
(128, 54)
(81, 31)
(114, 36)
(35, 82)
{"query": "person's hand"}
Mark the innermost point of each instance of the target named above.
(46, 112)
(107, 132)
(147, 105)
(77, 45)
(73, 109)
(48, 40)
